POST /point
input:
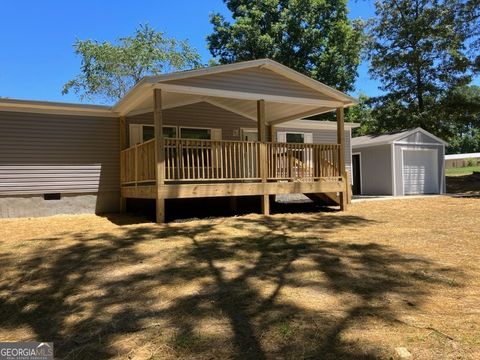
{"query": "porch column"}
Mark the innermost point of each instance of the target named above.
(159, 153)
(262, 137)
(123, 146)
(341, 154)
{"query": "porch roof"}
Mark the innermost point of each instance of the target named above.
(236, 87)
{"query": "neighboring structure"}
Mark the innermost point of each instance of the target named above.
(402, 163)
(229, 130)
(462, 160)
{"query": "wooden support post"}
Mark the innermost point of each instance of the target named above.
(159, 153)
(123, 145)
(262, 134)
(272, 133)
(341, 155)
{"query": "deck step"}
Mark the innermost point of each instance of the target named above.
(324, 198)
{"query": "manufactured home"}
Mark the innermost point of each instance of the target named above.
(403, 163)
(224, 131)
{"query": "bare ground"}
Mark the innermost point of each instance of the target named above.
(292, 286)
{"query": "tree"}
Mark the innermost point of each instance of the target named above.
(418, 52)
(461, 108)
(109, 70)
(361, 113)
(314, 37)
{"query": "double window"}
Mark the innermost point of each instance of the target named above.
(140, 133)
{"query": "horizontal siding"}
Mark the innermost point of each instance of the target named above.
(325, 136)
(41, 153)
(255, 80)
(376, 174)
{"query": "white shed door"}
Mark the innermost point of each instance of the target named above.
(420, 172)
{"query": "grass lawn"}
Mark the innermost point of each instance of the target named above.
(358, 284)
(462, 171)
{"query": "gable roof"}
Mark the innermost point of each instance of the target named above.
(385, 139)
(288, 94)
(235, 85)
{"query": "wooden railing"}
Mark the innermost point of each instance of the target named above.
(211, 160)
(137, 163)
(205, 160)
(304, 162)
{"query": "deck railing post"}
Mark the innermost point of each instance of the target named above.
(341, 154)
(262, 132)
(159, 154)
(123, 146)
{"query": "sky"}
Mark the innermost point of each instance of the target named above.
(36, 37)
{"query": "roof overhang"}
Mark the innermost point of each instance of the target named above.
(279, 108)
(56, 108)
(300, 97)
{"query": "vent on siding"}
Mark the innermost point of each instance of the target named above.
(54, 196)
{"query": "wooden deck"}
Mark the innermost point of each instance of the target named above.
(205, 168)
(166, 168)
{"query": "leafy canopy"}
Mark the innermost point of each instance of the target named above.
(109, 70)
(419, 51)
(314, 37)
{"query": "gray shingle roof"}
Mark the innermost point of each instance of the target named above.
(371, 140)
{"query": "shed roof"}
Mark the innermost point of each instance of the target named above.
(384, 139)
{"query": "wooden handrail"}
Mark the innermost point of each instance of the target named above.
(229, 160)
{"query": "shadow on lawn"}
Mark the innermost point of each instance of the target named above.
(239, 280)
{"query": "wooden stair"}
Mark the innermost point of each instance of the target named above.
(328, 199)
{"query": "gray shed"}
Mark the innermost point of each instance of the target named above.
(402, 163)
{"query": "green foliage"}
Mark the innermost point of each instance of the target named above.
(420, 50)
(417, 50)
(314, 37)
(362, 114)
(109, 70)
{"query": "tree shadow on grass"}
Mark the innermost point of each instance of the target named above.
(252, 287)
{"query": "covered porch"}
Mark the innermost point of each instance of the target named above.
(262, 91)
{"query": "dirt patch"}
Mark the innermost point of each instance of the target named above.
(358, 284)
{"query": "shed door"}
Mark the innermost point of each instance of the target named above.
(356, 188)
(420, 172)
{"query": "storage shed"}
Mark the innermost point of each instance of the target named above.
(402, 163)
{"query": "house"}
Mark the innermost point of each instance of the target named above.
(462, 160)
(401, 163)
(229, 130)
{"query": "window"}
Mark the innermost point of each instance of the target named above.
(170, 132)
(140, 133)
(195, 133)
(297, 138)
(149, 132)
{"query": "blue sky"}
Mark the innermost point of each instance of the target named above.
(36, 37)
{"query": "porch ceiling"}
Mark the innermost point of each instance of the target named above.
(288, 95)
